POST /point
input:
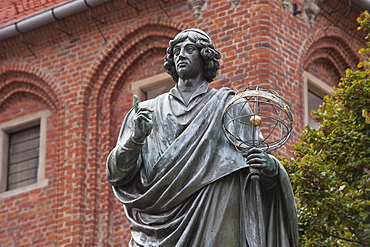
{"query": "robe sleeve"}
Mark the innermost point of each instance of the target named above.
(122, 162)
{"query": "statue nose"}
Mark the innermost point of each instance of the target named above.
(182, 53)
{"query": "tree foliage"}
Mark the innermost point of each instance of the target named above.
(330, 171)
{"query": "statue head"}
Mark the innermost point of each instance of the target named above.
(207, 50)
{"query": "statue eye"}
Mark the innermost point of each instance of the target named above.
(176, 51)
(190, 49)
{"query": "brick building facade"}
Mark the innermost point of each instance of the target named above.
(74, 78)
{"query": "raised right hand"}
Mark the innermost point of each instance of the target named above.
(143, 123)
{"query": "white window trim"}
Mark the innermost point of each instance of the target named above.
(15, 125)
(315, 85)
(140, 88)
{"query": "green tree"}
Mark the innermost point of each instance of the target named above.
(330, 171)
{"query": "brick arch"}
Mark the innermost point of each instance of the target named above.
(331, 43)
(108, 74)
(22, 83)
(125, 51)
(24, 80)
(119, 48)
(334, 48)
(327, 56)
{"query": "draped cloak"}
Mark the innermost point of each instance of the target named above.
(188, 185)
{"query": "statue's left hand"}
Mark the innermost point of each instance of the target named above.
(258, 159)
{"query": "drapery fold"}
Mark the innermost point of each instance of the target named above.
(192, 187)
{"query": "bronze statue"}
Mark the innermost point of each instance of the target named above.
(180, 179)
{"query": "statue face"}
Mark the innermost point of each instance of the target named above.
(188, 61)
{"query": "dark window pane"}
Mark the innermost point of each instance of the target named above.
(23, 157)
(28, 164)
(22, 184)
(26, 145)
(25, 135)
(314, 103)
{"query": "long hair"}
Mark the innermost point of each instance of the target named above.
(208, 53)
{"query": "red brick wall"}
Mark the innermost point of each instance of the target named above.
(85, 83)
(26, 219)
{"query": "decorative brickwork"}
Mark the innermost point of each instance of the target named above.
(24, 91)
(18, 9)
(328, 53)
(25, 80)
(109, 81)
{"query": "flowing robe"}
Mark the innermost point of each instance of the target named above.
(187, 185)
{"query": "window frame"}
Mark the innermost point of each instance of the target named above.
(316, 86)
(140, 88)
(39, 118)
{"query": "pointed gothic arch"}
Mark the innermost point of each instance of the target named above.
(24, 80)
(330, 48)
(109, 75)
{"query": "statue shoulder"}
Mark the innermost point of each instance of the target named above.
(227, 90)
